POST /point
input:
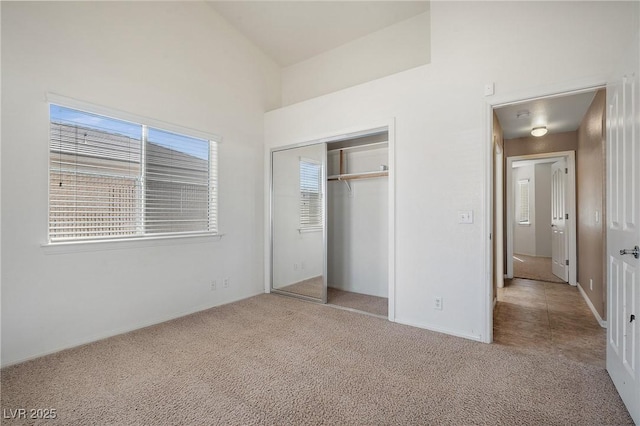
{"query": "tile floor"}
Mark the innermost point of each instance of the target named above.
(548, 317)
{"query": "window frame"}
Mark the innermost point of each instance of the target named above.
(142, 239)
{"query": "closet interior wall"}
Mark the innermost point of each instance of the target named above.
(358, 206)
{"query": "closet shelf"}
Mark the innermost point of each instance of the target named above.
(363, 175)
(365, 146)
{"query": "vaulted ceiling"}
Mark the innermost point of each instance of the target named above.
(292, 31)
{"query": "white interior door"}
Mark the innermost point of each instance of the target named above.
(623, 232)
(559, 235)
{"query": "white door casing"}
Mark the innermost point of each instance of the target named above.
(559, 212)
(623, 231)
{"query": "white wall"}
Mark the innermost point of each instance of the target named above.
(358, 233)
(441, 134)
(393, 49)
(176, 62)
(543, 209)
(524, 235)
(297, 256)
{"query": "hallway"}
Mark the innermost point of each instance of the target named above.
(548, 317)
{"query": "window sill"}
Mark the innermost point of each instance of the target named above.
(127, 243)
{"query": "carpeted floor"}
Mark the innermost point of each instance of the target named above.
(534, 268)
(277, 360)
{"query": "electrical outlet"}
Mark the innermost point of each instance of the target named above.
(437, 303)
(225, 283)
(591, 284)
(214, 285)
(295, 266)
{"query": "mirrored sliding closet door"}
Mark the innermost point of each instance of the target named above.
(298, 228)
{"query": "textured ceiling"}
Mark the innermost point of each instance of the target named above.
(292, 31)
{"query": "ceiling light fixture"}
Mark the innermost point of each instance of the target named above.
(523, 113)
(539, 131)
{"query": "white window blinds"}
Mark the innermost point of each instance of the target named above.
(115, 179)
(523, 201)
(310, 193)
(178, 183)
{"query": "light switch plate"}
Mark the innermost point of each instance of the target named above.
(465, 216)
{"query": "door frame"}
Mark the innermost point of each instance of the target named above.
(570, 156)
(333, 136)
(562, 89)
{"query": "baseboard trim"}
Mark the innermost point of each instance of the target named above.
(443, 330)
(595, 313)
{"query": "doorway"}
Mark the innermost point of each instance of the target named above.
(539, 252)
(541, 233)
(540, 312)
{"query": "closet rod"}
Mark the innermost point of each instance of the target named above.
(364, 175)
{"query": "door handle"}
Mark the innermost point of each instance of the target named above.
(635, 252)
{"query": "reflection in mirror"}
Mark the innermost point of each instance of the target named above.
(298, 221)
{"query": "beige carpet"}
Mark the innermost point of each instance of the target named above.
(277, 360)
(360, 302)
(534, 268)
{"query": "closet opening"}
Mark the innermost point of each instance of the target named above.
(332, 216)
(357, 223)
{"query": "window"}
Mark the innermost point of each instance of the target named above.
(310, 194)
(523, 201)
(114, 179)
